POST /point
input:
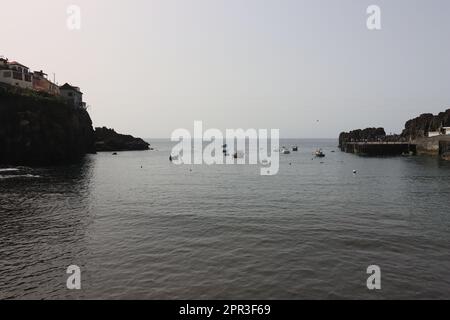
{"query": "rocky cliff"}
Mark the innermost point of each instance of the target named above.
(109, 140)
(42, 130)
(415, 132)
(420, 126)
(369, 134)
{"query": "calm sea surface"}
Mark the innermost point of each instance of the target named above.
(142, 228)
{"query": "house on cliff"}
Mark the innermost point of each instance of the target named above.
(15, 74)
(73, 95)
(42, 84)
(18, 75)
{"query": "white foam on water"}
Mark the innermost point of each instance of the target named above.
(9, 170)
(17, 176)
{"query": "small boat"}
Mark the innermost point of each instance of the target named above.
(174, 158)
(407, 154)
(238, 155)
(295, 149)
(319, 153)
(285, 151)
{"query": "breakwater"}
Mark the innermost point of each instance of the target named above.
(427, 134)
(444, 147)
(379, 148)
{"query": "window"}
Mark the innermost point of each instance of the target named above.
(17, 75)
(70, 94)
(7, 74)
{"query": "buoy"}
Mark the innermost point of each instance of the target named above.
(354, 171)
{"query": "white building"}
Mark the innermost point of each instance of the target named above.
(433, 134)
(73, 95)
(442, 131)
(15, 74)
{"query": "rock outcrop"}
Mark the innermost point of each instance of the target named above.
(415, 133)
(109, 140)
(427, 122)
(41, 130)
(369, 134)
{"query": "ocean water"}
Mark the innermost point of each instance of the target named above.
(140, 227)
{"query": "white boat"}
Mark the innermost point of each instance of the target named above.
(319, 153)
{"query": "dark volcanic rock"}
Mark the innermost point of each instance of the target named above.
(369, 134)
(109, 140)
(41, 130)
(420, 126)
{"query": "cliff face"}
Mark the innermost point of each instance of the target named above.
(41, 130)
(420, 126)
(109, 140)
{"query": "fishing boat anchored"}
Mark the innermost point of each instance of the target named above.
(319, 153)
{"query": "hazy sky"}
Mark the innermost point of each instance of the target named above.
(149, 67)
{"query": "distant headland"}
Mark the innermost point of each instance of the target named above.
(42, 123)
(427, 134)
(109, 140)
